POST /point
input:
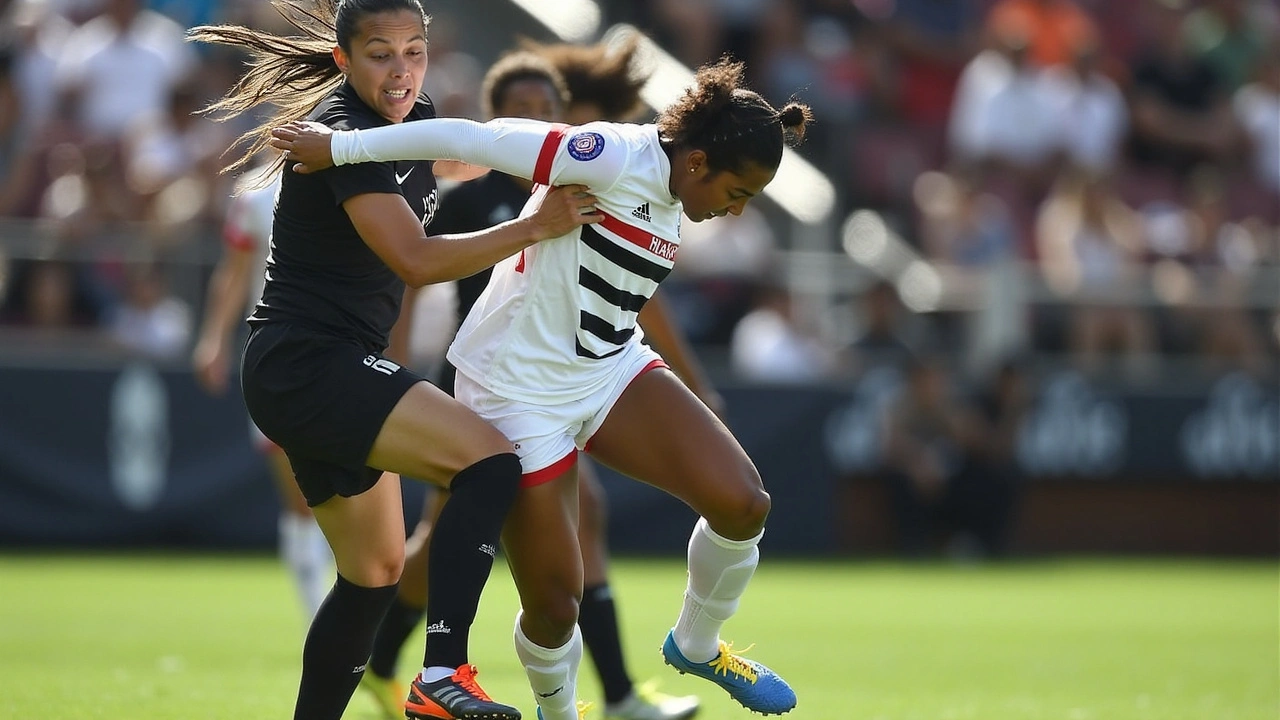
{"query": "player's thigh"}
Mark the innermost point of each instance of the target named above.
(658, 432)
(366, 532)
(431, 436)
(593, 512)
(541, 544)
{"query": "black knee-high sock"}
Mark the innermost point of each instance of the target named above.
(598, 620)
(463, 543)
(337, 648)
(397, 625)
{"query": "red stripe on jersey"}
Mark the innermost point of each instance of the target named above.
(542, 169)
(520, 263)
(640, 237)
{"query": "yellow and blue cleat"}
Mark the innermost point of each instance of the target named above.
(753, 685)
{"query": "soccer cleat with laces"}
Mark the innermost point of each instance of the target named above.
(753, 685)
(646, 703)
(456, 697)
(388, 693)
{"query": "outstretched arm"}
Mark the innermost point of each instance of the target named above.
(529, 149)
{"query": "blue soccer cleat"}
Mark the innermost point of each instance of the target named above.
(753, 685)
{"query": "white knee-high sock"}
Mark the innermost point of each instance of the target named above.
(553, 673)
(719, 570)
(304, 549)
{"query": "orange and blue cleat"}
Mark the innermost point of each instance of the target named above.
(456, 697)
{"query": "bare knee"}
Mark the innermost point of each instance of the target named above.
(550, 622)
(742, 514)
(374, 571)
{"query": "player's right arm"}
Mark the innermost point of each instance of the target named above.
(388, 226)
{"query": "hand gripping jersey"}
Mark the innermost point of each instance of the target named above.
(551, 318)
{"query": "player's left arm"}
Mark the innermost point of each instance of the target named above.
(661, 329)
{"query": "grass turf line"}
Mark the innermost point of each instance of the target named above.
(160, 637)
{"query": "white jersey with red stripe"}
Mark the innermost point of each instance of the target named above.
(247, 226)
(546, 327)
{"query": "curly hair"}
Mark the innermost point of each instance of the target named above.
(513, 68)
(292, 73)
(734, 126)
(599, 74)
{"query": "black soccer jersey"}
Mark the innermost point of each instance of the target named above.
(320, 273)
(477, 205)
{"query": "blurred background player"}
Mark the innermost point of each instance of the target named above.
(236, 285)
(550, 83)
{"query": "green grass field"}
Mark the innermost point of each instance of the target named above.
(195, 637)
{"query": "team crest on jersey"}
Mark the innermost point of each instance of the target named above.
(586, 146)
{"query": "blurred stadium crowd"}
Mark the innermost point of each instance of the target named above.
(1093, 184)
(1122, 155)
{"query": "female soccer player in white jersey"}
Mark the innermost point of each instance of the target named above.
(551, 355)
(545, 82)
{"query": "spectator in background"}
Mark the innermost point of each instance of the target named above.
(1205, 264)
(1094, 116)
(1090, 249)
(1257, 109)
(928, 437)
(1179, 104)
(121, 65)
(171, 160)
(453, 74)
(690, 28)
(1231, 36)
(960, 225)
(1053, 29)
(1007, 115)
(46, 295)
(991, 498)
(702, 30)
(769, 346)
(37, 35)
(151, 322)
(722, 261)
(10, 117)
(932, 40)
(882, 341)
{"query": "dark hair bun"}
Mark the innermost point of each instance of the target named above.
(794, 117)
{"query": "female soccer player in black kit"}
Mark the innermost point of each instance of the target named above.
(549, 83)
(344, 245)
(551, 354)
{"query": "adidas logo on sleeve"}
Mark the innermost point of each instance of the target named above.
(642, 213)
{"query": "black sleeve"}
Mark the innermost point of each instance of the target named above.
(459, 211)
(350, 180)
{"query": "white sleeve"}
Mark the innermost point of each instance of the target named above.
(594, 155)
